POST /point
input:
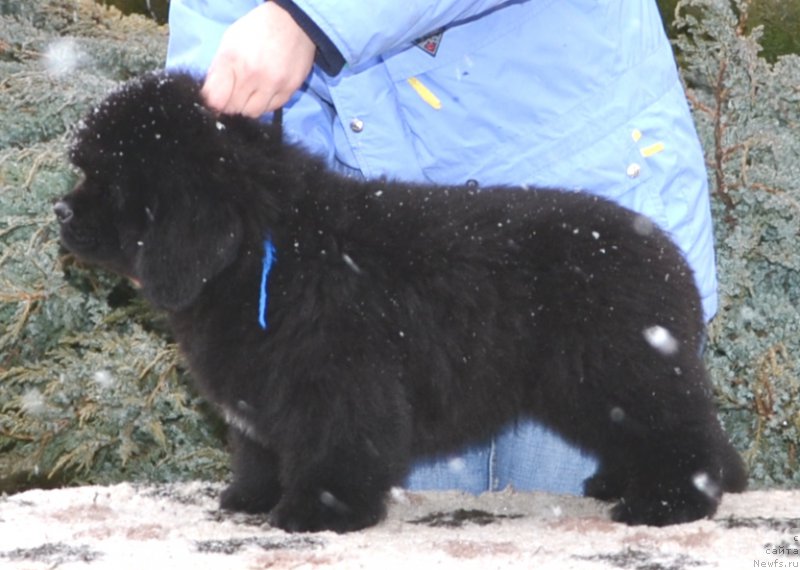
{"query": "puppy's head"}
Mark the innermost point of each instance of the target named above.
(157, 202)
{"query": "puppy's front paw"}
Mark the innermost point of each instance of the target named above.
(240, 498)
(324, 511)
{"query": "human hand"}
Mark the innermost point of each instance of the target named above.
(263, 58)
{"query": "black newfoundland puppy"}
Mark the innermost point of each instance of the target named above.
(345, 328)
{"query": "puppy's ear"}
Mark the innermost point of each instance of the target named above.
(184, 248)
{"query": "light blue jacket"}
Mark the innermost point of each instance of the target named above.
(578, 94)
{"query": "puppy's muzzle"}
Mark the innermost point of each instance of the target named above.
(63, 212)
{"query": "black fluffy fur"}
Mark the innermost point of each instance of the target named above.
(404, 320)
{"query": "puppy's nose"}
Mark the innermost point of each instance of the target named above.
(63, 212)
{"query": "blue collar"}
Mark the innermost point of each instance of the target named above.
(266, 266)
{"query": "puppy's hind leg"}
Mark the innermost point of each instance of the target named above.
(683, 483)
(679, 458)
(255, 487)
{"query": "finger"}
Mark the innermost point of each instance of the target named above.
(260, 102)
(281, 98)
(241, 93)
(218, 87)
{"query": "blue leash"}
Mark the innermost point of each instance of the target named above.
(266, 267)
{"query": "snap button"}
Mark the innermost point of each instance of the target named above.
(633, 170)
(356, 125)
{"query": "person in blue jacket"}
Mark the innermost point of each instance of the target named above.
(575, 94)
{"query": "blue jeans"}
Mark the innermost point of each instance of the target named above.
(526, 456)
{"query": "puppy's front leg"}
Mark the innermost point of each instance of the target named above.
(337, 470)
(255, 487)
(343, 492)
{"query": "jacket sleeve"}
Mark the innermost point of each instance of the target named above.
(361, 31)
(328, 57)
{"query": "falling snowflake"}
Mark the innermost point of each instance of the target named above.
(33, 403)
(661, 339)
(103, 379)
(705, 485)
(456, 465)
(617, 414)
(62, 57)
(643, 225)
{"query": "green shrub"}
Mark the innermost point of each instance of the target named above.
(91, 389)
(747, 113)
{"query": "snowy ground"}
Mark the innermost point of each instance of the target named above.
(179, 526)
